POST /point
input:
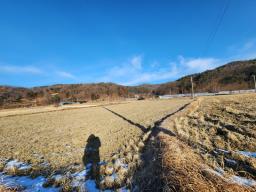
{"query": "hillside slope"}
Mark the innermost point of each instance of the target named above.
(232, 76)
(11, 97)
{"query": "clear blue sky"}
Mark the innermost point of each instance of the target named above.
(127, 42)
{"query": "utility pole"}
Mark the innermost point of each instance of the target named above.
(192, 87)
(254, 82)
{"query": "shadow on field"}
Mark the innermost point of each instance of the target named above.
(156, 128)
(144, 129)
(92, 156)
(148, 176)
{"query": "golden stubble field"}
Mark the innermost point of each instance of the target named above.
(59, 137)
(208, 146)
(222, 129)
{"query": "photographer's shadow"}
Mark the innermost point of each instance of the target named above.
(91, 157)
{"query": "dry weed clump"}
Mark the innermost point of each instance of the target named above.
(119, 172)
(7, 189)
(191, 171)
(2, 164)
(178, 168)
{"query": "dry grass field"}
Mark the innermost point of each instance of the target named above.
(181, 168)
(214, 145)
(59, 137)
(156, 145)
(223, 122)
(222, 128)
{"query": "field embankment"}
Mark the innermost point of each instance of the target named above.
(209, 146)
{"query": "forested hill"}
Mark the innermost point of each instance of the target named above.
(232, 76)
(21, 97)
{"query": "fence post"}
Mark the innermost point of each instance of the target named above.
(192, 87)
(254, 83)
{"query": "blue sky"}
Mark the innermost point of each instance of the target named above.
(126, 42)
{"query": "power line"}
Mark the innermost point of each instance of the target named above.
(215, 30)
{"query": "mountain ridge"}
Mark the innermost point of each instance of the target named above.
(231, 76)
